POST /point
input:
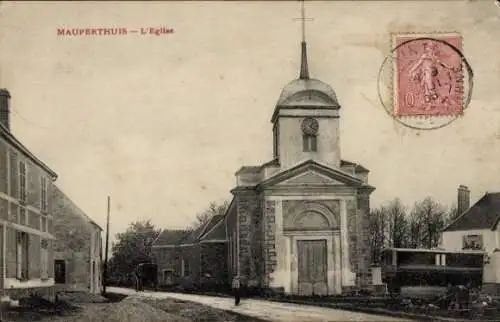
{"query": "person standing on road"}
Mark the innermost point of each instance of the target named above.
(236, 289)
(136, 281)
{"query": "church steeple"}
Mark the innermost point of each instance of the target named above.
(304, 71)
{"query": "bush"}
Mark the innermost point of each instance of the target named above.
(187, 285)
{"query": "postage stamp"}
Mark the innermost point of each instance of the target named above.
(429, 81)
(428, 76)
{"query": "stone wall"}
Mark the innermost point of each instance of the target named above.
(74, 233)
(168, 258)
(214, 260)
(352, 234)
(248, 209)
(269, 242)
(77, 269)
(363, 246)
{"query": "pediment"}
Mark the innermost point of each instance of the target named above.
(310, 177)
(311, 173)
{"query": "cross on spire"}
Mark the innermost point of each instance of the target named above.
(304, 71)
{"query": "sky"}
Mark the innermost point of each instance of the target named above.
(161, 123)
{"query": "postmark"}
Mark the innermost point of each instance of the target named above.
(425, 82)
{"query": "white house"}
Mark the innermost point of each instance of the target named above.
(477, 228)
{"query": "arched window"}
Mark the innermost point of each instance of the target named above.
(309, 143)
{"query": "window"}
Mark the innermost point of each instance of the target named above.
(310, 143)
(22, 255)
(22, 181)
(60, 271)
(97, 242)
(44, 259)
(23, 219)
(43, 223)
(472, 242)
(184, 268)
(440, 260)
(43, 194)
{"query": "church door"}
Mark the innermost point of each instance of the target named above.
(312, 267)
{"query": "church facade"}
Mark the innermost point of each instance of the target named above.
(298, 224)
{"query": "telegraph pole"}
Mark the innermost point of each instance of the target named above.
(105, 272)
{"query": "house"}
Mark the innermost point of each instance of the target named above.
(297, 224)
(193, 256)
(477, 228)
(26, 220)
(77, 248)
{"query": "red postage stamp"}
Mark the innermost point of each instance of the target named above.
(428, 76)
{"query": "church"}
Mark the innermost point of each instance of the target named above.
(298, 223)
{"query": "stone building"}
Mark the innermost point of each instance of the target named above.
(26, 221)
(77, 247)
(298, 223)
(197, 256)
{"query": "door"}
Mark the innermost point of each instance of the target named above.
(312, 267)
(60, 271)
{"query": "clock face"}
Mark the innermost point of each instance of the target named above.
(310, 126)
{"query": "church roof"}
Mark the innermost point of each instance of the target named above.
(311, 164)
(301, 168)
(257, 168)
(484, 214)
(357, 167)
(298, 93)
(253, 169)
(306, 92)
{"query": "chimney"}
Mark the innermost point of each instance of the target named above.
(5, 108)
(463, 200)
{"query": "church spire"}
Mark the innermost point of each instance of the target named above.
(304, 71)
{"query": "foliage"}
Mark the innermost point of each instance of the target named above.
(426, 222)
(392, 225)
(213, 209)
(131, 248)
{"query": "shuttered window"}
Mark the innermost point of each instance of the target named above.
(22, 181)
(22, 255)
(44, 259)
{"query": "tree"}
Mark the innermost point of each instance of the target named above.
(452, 214)
(397, 223)
(377, 232)
(426, 223)
(132, 247)
(213, 209)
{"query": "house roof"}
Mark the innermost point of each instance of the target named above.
(484, 214)
(10, 138)
(217, 231)
(81, 213)
(169, 237)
